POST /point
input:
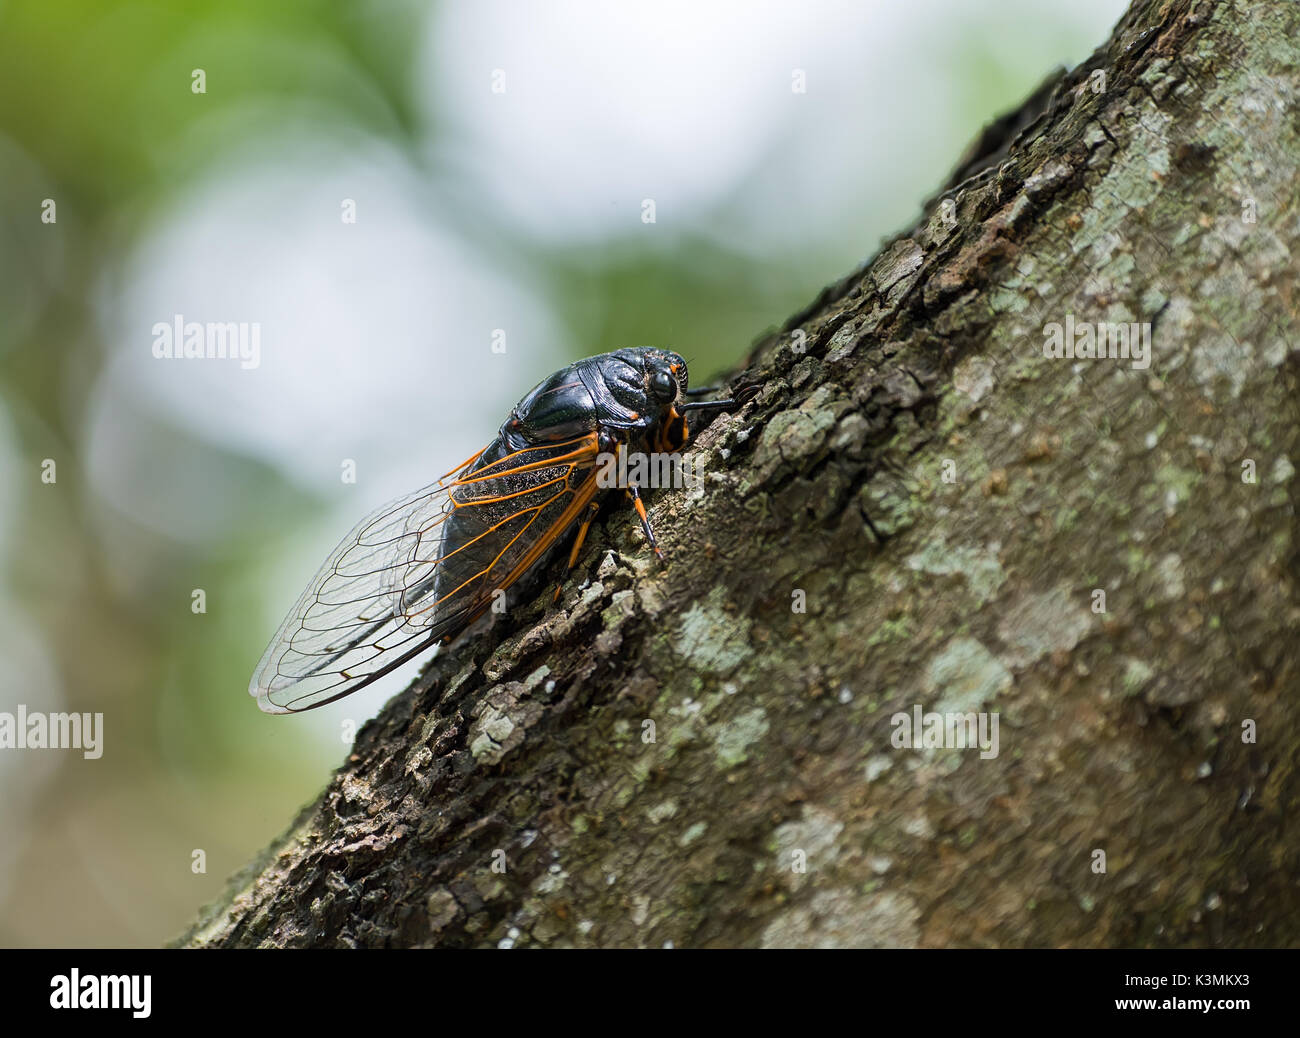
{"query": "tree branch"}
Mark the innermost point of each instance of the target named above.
(949, 501)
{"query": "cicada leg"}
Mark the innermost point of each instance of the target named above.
(730, 404)
(639, 505)
(592, 509)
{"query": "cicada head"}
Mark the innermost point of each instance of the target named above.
(666, 376)
(666, 382)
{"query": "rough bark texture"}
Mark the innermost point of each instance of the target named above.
(1123, 192)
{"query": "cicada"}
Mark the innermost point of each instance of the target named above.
(421, 569)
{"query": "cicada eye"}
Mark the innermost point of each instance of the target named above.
(663, 384)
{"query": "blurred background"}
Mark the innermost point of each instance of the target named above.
(419, 209)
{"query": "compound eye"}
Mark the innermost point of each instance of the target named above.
(664, 385)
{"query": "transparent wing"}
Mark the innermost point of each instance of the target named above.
(419, 570)
(348, 627)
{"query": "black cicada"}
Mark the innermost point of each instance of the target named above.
(422, 568)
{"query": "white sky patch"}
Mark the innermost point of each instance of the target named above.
(374, 337)
(692, 104)
(608, 104)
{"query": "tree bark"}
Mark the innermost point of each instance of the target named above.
(679, 755)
